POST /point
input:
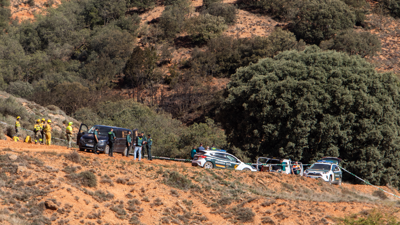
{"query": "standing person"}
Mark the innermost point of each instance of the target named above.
(143, 144)
(47, 131)
(201, 147)
(111, 140)
(213, 147)
(128, 143)
(138, 148)
(96, 141)
(193, 152)
(17, 126)
(149, 142)
(296, 168)
(42, 125)
(68, 133)
(37, 129)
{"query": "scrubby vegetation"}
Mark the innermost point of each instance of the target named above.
(304, 110)
(79, 55)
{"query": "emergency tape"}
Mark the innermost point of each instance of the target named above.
(368, 183)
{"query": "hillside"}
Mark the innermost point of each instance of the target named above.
(45, 184)
(30, 112)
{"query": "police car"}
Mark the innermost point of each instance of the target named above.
(210, 159)
(327, 168)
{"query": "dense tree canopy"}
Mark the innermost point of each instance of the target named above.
(318, 20)
(310, 104)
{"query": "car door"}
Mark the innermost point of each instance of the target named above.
(82, 129)
(220, 160)
(233, 162)
(336, 173)
(118, 141)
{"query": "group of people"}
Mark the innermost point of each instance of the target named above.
(41, 129)
(195, 150)
(142, 143)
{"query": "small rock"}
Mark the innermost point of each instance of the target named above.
(50, 205)
(13, 157)
(21, 169)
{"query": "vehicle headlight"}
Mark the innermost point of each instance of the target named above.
(102, 142)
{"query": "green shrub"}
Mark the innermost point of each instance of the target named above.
(372, 218)
(204, 27)
(86, 178)
(11, 107)
(227, 11)
(354, 43)
(391, 7)
(5, 14)
(176, 180)
(319, 20)
(281, 9)
(73, 157)
(243, 214)
(139, 69)
(207, 3)
(225, 54)
(380, 194)
(172, 20)
(20, 89)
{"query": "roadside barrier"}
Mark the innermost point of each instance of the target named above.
(368, 183)
(173, 159)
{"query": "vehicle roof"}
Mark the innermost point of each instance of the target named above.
(215, 151)
(119, 128)
(327, 163)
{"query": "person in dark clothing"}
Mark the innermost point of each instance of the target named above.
(96, 141)
(149, 142)
(128, 143)
(193, 152)
(144, 145)
(111, 140)
(201, 147)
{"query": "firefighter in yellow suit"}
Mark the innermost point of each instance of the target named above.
(17, 126)
(69, 134)
(37, 129)
(42, 125)
(47, 131)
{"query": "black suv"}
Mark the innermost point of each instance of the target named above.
(85, 138)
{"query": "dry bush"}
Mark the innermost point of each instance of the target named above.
(73, 157)
(380, 194)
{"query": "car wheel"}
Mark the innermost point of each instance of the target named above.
(106, 149)
(125, 152)
(330, 179)
(246, 169)
(208, 165)
(81, 149)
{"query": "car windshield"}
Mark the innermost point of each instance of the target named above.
(102, 130)
(320, 167)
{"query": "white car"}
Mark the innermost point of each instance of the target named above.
(210, 159)
(327, 168)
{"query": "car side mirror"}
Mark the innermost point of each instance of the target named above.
(83, 132)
